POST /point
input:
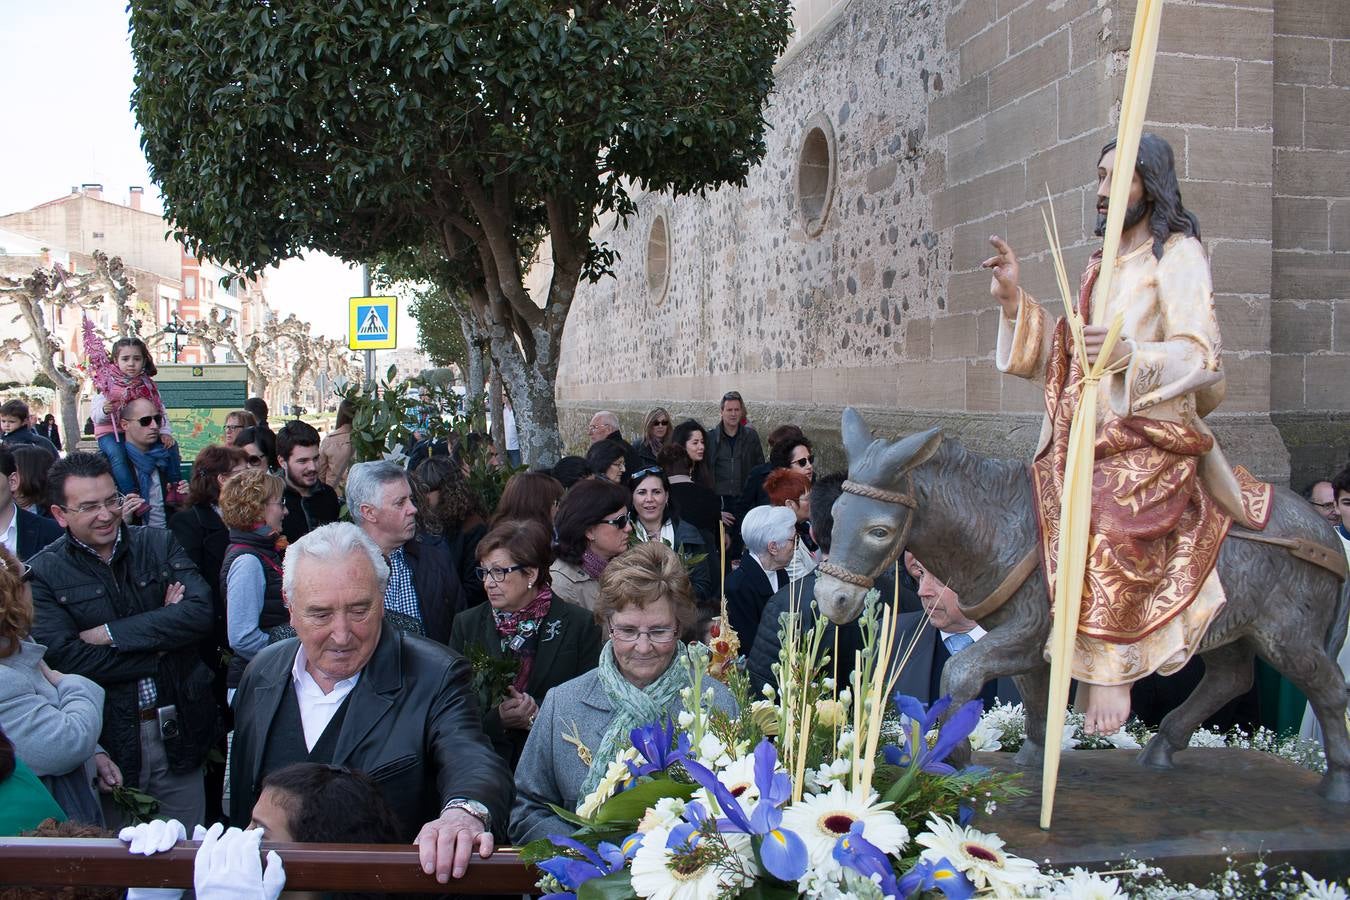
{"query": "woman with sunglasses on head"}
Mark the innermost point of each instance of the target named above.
(655, 519)
(645, 603)
(591, 528)
(655, 435)
(524, 641)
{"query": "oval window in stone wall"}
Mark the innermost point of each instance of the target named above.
(658, 259)
(815, 174)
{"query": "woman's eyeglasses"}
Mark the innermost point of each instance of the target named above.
(804, 462)
(620, 522)
(661, 423)
(629, 634)
(496, 573)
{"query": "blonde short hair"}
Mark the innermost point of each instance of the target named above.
(244, 497)
(646, 574)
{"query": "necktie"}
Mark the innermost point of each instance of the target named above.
(957, 642)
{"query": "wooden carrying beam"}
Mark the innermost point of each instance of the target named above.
(54, 862)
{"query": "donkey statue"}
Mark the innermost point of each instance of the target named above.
(971, 520)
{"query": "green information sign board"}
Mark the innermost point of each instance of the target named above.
(198, 398)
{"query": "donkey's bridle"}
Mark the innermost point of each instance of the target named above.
(902, 498)
(1006, 588)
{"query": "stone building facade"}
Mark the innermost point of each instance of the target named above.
(903, 134)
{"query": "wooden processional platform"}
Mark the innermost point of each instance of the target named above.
(1214, 804)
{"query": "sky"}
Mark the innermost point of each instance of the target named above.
(65, 87)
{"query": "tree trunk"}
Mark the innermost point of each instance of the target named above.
(532, 397)
(72, 429)
(473, 352)
(496, 424)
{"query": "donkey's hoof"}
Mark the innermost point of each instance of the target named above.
(1335, 787)
(1157, 754)
(1030, 755)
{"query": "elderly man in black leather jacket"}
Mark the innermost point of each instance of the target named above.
(348, 691)
(126, 608)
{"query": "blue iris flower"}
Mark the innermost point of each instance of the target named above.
(920, 721)
(782, 852)
(572, 873)
(659, 746)
(855, 852)
(937, 876)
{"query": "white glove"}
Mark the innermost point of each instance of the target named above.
(150, 838)
(227, 867)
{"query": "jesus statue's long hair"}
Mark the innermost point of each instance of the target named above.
(1157, 169)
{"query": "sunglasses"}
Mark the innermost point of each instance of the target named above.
(643, 473)
(661, 423)
(620, 522)
(804, 462)
(144, 421)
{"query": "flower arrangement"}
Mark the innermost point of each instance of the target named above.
(827, 792)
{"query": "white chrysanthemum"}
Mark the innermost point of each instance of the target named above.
(615, 775)
(1321, 890)
(658, 874)
(1203, 737)
(985, 736)
(821, 819)
(1067, 739)
(664, 813)
(980, 856)
(685, 719)
(711, 751)
(823, 776)
(1081, 884)
(1122, 740)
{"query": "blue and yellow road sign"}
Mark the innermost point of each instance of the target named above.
(373, 323)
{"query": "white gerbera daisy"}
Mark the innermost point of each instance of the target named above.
(1321, 890)
(660, 874)
(980, 856)
(1081, 884)
(821, 819)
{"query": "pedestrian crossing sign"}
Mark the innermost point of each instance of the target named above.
(373, 323)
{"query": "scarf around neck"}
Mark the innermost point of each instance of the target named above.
(632, 707)
(145, 463)
(593, 564)
(524, 622)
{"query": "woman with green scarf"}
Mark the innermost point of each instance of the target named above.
(645, 604)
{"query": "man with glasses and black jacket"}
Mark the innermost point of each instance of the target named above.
(126, 608)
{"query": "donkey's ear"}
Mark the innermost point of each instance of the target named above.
(914, 450)
(857, 436)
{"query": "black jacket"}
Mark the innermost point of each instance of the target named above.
(412, 725)
(34, 532)
(25, 436)
(733, 459)
(748, 592)
(304, 514)
(437, 585)
(74, 590)
(567, 645)
(204, 537)
(463, 546)
(50, 432)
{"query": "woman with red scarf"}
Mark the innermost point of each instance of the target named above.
(523, 641)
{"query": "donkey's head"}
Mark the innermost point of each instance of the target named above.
(871, 517)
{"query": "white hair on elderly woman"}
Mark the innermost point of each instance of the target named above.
(331, 544)
(765, 525)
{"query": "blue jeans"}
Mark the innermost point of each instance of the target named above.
(126, 479)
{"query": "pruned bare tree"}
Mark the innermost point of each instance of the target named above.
(55, 288)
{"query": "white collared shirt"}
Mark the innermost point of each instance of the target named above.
(316, 708)
(10, 537)
(975, 633)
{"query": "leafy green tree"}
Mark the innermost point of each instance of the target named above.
(361, 127)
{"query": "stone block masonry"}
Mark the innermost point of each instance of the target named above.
(950, 121)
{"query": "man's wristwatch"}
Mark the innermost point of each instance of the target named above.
(473, 808)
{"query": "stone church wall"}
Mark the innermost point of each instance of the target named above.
(857, 282)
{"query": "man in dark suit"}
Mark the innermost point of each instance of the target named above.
(770, 534)
(943, 632)
(347, 691)
(21, 532)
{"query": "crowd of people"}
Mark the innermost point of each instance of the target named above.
(366, 634)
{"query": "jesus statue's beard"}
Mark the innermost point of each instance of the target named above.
(1133, 216)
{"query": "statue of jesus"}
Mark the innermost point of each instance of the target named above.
(1163, 497)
